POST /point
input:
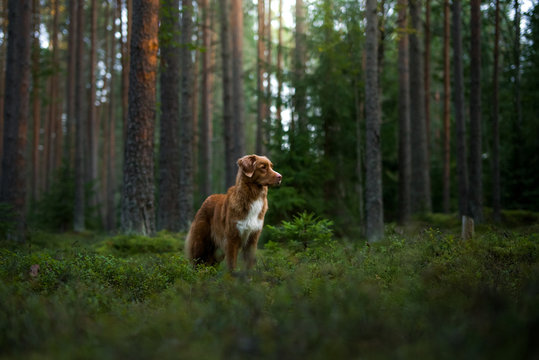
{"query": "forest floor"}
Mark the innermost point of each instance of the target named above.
(421, 293)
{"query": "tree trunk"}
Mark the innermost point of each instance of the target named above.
(80, 131)
(476, 168)
(126, 54)
(206, 132)
(458, 101)
(2, 75)
(267, 91)
(496, 191)
(447, 129)
(168, 205)
(138, 210)
(53, 134)
(236, 29)
(36, 105)
(420, 189)
(260, 118)
(374, 202)
(70, 85)
(230, 161)
(16, 111)
(92, 135)
(426, 55)
(279, 128)
(186, 118)
(405, 167)
(518, 155)
(299, 71)
(110, 155)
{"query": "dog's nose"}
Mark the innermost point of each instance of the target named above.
(279, 177)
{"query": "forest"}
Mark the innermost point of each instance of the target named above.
(395, 124)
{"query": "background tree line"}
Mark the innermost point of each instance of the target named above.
(126, 114)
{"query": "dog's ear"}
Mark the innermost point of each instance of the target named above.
(247, 164)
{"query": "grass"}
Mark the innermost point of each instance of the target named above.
(420, 293)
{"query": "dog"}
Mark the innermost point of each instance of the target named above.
(233, 221)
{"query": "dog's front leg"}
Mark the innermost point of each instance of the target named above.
(250, 250)
(232, 248)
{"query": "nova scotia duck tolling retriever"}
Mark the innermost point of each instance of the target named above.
(233, 221)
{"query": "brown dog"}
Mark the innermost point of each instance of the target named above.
(234, 220)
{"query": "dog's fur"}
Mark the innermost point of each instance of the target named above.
(233, 221)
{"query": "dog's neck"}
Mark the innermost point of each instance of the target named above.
(249, 188)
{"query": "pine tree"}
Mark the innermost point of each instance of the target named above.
(138, 209)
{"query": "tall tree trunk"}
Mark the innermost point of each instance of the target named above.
(16, 111)
(109, 138)
(168, 205)
(186, 118)
(447, 129)
(279, 125)
(126, 54)
(299, 71)
(458, 101)
(405, 166)
(518, 155)
(236, 30)
(2, 74)
(36, 104)
(92, 129)
(476, 168)
(230, 161)
(70, 85)
(138, 209)
(206, 132)
(80, 131)
(111, 172)
(420, 189)
(53, 135)
(266, 135)
(374, 201)
(260, 118)
(426, 75)
(496, 191)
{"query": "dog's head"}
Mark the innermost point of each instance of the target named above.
(259, 169)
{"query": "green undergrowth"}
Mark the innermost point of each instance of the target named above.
(419, 293)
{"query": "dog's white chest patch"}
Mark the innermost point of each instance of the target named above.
(252, 222)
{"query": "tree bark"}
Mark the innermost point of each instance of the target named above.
(299, 71)
(446, 121)
(110, 155)
(420, 189)
(36, 105)
(70, 85)
(16, 111)
(260, 118)
(79, 216)
(236, 27)
(168, 204)
(230, 161)
(206, 129)
(186, 119)
(374, 201)
(496, 191)
(126, 54)
(91, 122)
(476, 168)
(458, 103)
(138, 209)
(279, 101)
(405, 167)
(426, 55)
(3, 50)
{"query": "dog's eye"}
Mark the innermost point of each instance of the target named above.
(263, 166)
